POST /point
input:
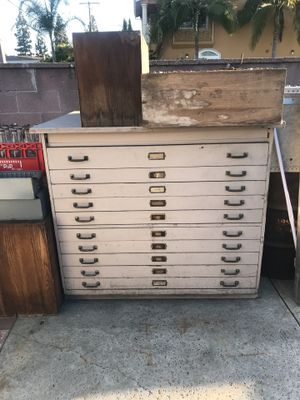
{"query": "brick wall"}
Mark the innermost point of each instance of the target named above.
(30, 94)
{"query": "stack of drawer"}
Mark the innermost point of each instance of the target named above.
(160, 220)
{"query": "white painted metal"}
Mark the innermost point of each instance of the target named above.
(123, 190)
(140, 175)
(225, 257)
(225, 154)
(172, 246)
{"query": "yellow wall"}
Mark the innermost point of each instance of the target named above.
(232, 46)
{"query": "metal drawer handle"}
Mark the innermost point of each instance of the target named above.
(157, 156)
(236, 174)
(86, 205)
(158, 217)
(158, 246)
(159, 259)
(229, 285)
(241, 155)
(157, 175)
(240, 189)
(230, 273)
(91, 285)
(158, 233)
(86, 237)
(87, 248)
(232, 234)
(79, 159)
(158, 203)
(89, 273)
(231, 260)
(157, 189)
(159, 271)
(84, 220)
(159, 283)
(234, 217)
(80, 177)
(236, 247)
(84, 261)
(232, 204)
(81, 192)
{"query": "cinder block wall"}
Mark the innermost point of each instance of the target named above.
(31, 94)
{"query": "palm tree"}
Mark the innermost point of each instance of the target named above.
(173, 13)
(261, 12)
(44, 17)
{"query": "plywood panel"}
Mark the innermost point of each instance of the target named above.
(214, 98)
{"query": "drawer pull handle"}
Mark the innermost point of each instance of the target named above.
(235, 190)
(159, 259)
(157, 175)
(157, 189)
(231, 260)
(232, 204)
(81, 192)
(241, 155)
(158, 203)
(159, 271)
(230, 273)
(91, 285)
(157, 156)
(158, 217)
(158, 233)
(78, 159)
(229, 285)
(159, 283)
(232, 234)
(86, 205)
(236, 174)
(234, 217)
(228, 247)
(80, 177)
(86, 237)
(84, 220)
(84, 261)
(158, 246)
(87, 248)
(89, 273)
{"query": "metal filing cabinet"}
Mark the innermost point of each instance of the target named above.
(158, 212)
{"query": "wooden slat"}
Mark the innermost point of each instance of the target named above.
(214, 98)
(108, 66)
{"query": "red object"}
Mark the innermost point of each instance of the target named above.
(21, 156)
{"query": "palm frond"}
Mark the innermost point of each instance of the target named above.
(259, 21)
(245, 15)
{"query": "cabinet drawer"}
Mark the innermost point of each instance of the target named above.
(135, 175)
(223, 284)
(165, 246)
(168, 217)
(224, 258)
(180, 271)
(159, 156)
(162, 203)
(218, 232)
(184, 189)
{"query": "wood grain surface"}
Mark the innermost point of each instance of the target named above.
(108, 67)
(213, 98)
(29, 277)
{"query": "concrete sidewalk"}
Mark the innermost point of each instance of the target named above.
(168, 349)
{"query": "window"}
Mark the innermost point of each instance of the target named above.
(204, 23)
(209, 54)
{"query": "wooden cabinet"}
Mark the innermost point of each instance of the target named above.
(159, 212)
(29, 274)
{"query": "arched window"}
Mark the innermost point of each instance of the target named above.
(210, 54)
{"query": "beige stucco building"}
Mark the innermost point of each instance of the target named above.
(181, 44)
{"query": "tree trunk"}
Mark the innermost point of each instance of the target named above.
(197, 35)
(52, 47)
(276, 33)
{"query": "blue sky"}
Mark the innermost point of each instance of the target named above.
(109, 15)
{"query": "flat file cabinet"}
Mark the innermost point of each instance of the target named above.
(158, 212)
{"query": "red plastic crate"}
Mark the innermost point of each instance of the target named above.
(21, 157)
